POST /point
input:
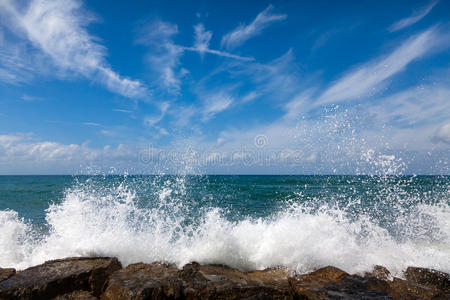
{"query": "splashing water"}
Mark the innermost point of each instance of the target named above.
(247, 222)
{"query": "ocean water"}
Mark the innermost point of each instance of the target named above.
(248, 222)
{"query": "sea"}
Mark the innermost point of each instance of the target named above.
(247, 222)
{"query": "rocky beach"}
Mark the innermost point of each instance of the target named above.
(105, 278)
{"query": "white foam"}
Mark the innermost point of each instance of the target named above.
(111, 223)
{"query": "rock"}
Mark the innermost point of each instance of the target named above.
(77, 295)
(430, 278)
(59, 277)
(103, 278)
(331, 282)
(419, 284)
(222, 282)
(379, 272)
(6, 273)
(144, 281)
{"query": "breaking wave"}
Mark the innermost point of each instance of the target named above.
(303, 234)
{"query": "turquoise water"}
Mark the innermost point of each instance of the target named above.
(248, 222)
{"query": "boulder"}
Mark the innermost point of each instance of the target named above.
(76, 295)
(6, 273)
(59, 277)
(430, 278)
(333, 283)
(222, 282)
(144, 281)
(379, 272)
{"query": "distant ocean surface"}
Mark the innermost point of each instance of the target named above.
(247, 222)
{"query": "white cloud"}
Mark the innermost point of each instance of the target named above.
(416, 106)
(122, 110)
(299, 104)
(414, 18)
(244, 32)
(442, 134)
(279, 77)
(165, 55)
(28, 98)
(153, 120)
(201, 44)
(363, 80)
(91, 124)
(108, 132)
(216, 103)
(249, 97)
(202, 38)
(58, 29)
(22, 154)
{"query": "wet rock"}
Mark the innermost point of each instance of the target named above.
(333, 283)
(419, 284)
(6, 273)
(430, 278)
(59, 277)
(222, 282)
(379, 272)
(103, 278)
(76, 295)
(144, 281)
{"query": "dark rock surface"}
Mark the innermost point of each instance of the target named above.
(6, 273)
(104, 278)
(144, 281)
(222, 282)
(76, 295)
(333, 283)
(59, 277)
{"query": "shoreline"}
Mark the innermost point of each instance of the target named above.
(105, 278)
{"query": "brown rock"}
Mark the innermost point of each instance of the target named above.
(419, 284)
(77, 295)
(59, 277)
(6, 273)
(379, 272)
(430, 278)
(333, 283)
(144, 281)
(222, 282)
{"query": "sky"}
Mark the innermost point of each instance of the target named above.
(229, 87)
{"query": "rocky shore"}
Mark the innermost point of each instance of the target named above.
(104, 278)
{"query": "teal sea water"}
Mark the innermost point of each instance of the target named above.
(248, 222)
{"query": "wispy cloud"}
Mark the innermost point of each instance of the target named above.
(164, 58)
(165, 54)
(214, 104)
(249, 97)
(153, 120)
(364, 79)
(28, 98)
(201, 45)
(279, 77)
(415, 106)
(58, 29)
(414, 18)
(126, 111)
(108, 132)
(442, 134)
(202, 38)
(91, 124)
(245, 32)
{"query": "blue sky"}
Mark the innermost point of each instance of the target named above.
(247, 87)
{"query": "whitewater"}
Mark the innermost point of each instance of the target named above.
(391, 226)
